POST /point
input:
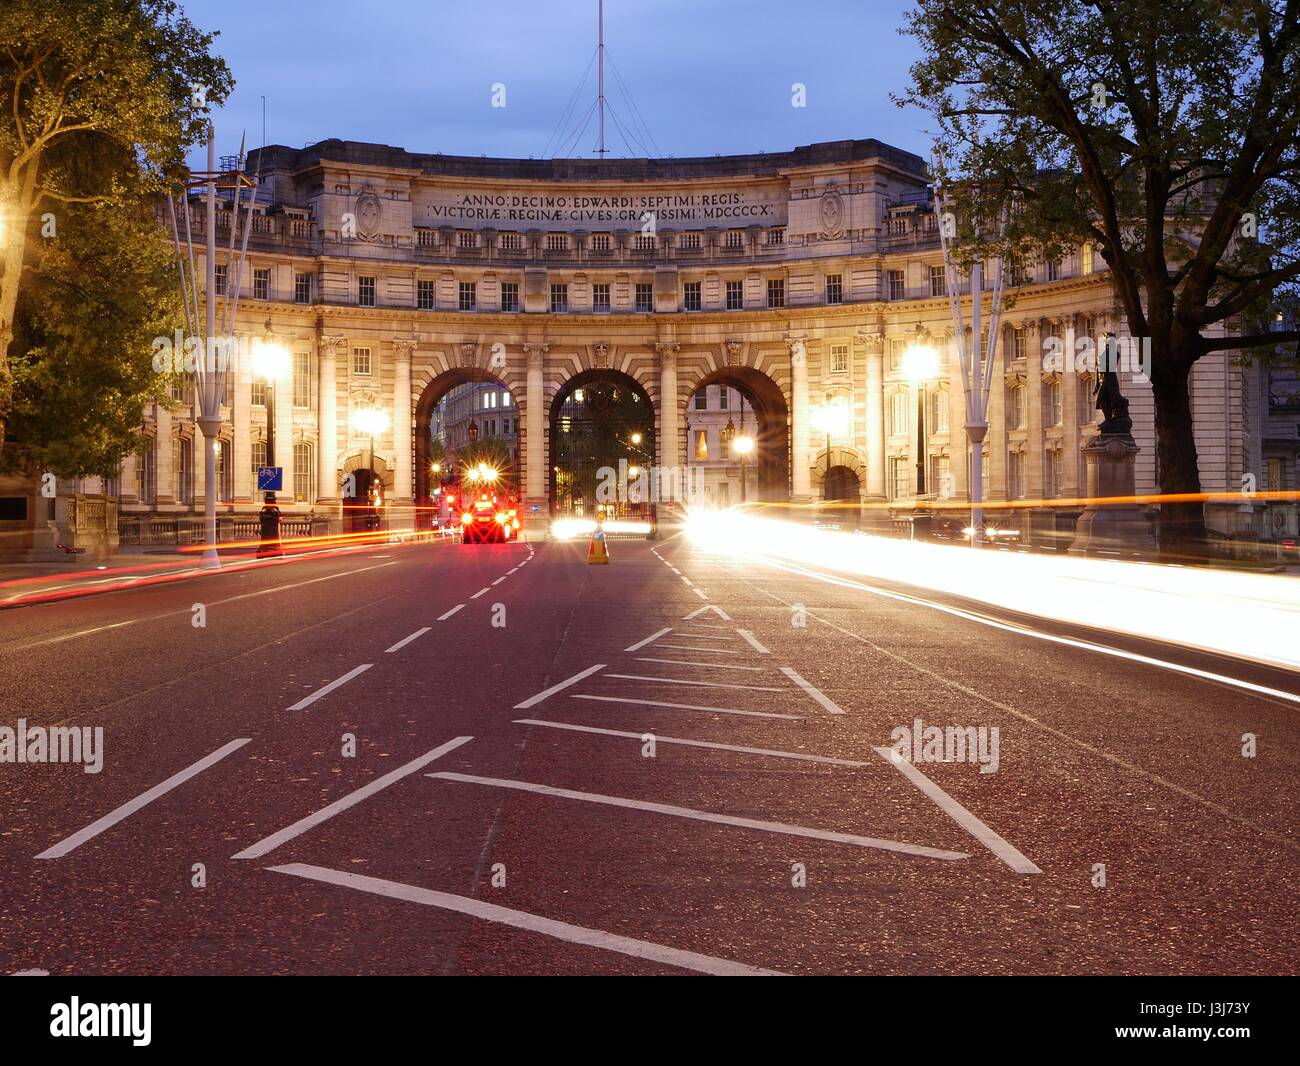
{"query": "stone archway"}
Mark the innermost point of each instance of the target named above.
(771, 455)
(434, 391)
(602, 419)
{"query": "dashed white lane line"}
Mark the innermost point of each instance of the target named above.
(753, 642)
(533, 923)
(131, 806)
(688, 707)
(480, 592)
(688, 581)
(661, 739)
(327, 689)
(301, 826)
(500, 579)
(680, 681)
(706, 625)
(701, 594)
(711, 651)
(813, 691)
(651, 638)
(706, 816)
(407, 640)
(533, 700)
(959, 814)
(448, 614)
(513, 569)
(705, 636)
(707, 666)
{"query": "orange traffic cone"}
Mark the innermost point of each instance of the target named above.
(597, 549)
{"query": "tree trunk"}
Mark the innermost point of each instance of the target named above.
(1182, 525)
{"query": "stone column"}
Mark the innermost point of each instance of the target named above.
(800, 477)
(241, 414)
(164, 482)
(875, 487)
(1070, 378)
(670, 432)
(534, 445)
(403, 488)
(1035, 479)
(327, 421)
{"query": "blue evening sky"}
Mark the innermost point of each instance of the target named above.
(708, 76)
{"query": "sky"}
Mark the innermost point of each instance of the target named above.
(707, 76)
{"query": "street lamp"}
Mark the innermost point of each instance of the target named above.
(370, 421)
(742, 445)
(271, 364)
(921, 364)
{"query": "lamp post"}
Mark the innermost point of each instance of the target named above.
(921, 364)
(270, 363)
(742, 446)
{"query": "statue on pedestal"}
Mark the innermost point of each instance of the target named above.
(1112, 404)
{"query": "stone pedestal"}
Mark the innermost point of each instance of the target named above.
(1103, 528)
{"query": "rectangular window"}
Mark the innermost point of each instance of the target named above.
(361, 361)
(691, 298)
(1085, 258)
(259, 457)
(938, 281)
(900, 478)
(1016, 475)
(776, 292)
(262, 283)
(723, 397)
(834, 288)
(701, 446)
(1016, 407)
(600, 242)
(181, 470)
(302, 288)
(600, 296)
(645, 296)
(1055, 409)
(219, 280)
(1019, 343)
(897, 289)
(366, 291)
(702, 400)
(559, 298)
(735, 295)
(1052, 271)
(941, 477)
(257, 395)
(899, 410)
(839, 358)
(510, 296)
(468, 296)
(302, 379)
(1056, 472)
(425, 298)
(304, 491)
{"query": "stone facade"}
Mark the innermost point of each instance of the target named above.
(798, 278)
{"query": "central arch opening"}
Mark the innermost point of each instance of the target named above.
(738, 437)
(602, 446)
(466, 430)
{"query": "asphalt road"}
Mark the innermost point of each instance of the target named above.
(674, 763)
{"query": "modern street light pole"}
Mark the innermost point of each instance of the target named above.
(976, 361)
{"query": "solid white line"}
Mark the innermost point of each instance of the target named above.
(661, 739)
(812, 690)
(709, 607)
(327, 689)
(479, 593)
(652, 637)
(709, 666)
(689, 707)
(704, 636)
(407, 640)
(679, 681)
(557, 688)
(499, 580)
(753, 641)
(707, 816)
(444, 617)
(533, 923)
(1052, 638)
(129, 808)
(711, 651)
(350, 800)
(959, 814)
(708, 625)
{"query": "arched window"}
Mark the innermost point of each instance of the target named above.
(225, 472)
(898, 408)
(259, 457)
(182, 470)
(939, 412)
(304, 473)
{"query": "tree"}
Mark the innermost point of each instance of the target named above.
(1163, 132)
(91, 304)
(125, 84)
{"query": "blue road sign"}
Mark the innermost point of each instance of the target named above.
(270, 479)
